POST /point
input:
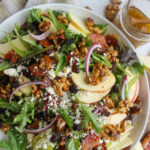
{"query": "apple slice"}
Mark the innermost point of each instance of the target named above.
(75, 30)
(77, 23)
(114, 119)
(134, 90)
(79, 80)
(5, 48)
(139, 146)
(88, 97)
(123, 144)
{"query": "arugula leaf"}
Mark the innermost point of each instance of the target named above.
(4, 65)
(73, 144)
(65, 114)
(61, 63)
(89, 116)
(16, 141)
(55, 21)
(34, 16)
(66, 48)
(26, 113)
(14, 107)
(69, 34)
(17, 28)
(101, 59)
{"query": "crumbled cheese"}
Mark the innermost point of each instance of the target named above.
(52, 54)
(98, 148)
(77, 121)
(12, 72)
(64, 100)
(101, 141)
(44, 146)
(51, 74)
(20, 68)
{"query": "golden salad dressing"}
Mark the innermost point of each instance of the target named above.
(137, 14)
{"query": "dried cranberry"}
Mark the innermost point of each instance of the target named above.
(106, 113)
(75, 67)
(55, 138)
(4, 80)
(73, 88)
(28, 74)
(115, 89)
(77, 127)
(110, 40)
(15, 84)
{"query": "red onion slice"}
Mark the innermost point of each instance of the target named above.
(36, 131)
(40, 37)
(25, 84)
(87, 60)
(124, 83)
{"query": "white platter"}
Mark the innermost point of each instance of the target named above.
(141, 120)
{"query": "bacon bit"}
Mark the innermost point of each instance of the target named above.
(111, 40)
(90, 141)
(11, 56)
(45, 43)
(36, 70)
(34, 125)
(98, 39)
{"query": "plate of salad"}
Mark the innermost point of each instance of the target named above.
(69, 80)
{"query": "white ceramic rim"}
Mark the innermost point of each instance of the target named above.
(118, 30)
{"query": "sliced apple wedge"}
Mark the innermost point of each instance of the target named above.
(89, 97)
(75, 30)
(134, 90)
(123, 144)
(79, 80)
(139, 146)
(5, 48)
(77, 23)
(114, 119)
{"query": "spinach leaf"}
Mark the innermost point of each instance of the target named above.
(73, 144)
(55, 21)
(89, 116)
(34, 16)
(65, 114)
(61, 63)
(16, 141)
(27, 112)
(14, 107)
(102, 59)
(4, 65)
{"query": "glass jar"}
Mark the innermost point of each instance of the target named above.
(137, 33)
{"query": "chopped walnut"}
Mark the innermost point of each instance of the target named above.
(61, 85)
(90, 22)
(109, 102)
(62, 141)
(38, 93)
(111, 55)
(135, 110)
(45, 62)
(45, 14)
(99, 73)
(44, 26)
(4, 93)
(87, 7)
(62, 19)
(34, 88)
(61, 124)
(52, 36)
(111, 132)
(138, 101)
(111, 11)
(124, 105)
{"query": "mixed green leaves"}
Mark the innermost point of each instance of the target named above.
(137, 69)
(26, 114)
(14, 106)
(89, 116)
(61, 63)
(34, 16)
(4, 65)
(101, 59)
(103, 27)
(65, 114)
(73, 144)
(16, 141)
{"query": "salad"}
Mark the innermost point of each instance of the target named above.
(67, 84)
